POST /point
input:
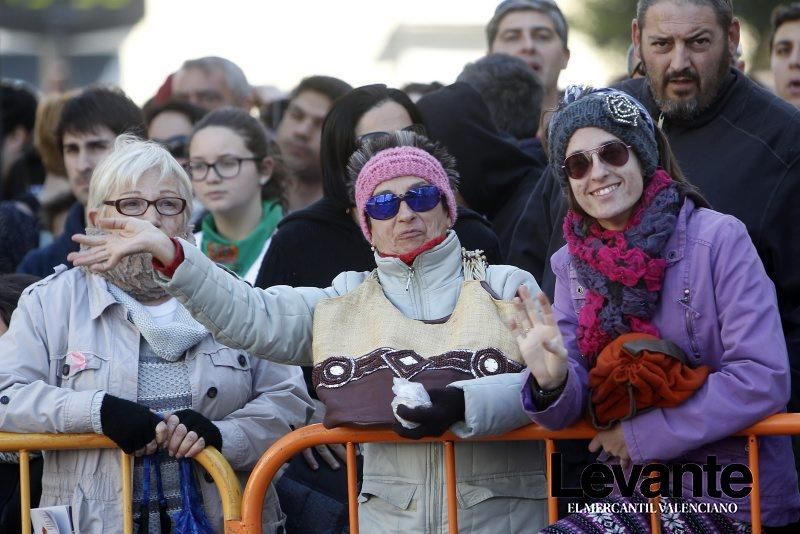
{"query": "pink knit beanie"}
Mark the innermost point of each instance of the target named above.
(396, 162)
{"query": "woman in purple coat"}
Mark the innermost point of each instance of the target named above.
(645, 255)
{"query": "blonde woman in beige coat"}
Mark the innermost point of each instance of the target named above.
(106, 353)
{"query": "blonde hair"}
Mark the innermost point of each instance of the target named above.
(130, 160)
(48, 113)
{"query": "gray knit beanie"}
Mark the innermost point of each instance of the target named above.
(548, 7)
(608, 109)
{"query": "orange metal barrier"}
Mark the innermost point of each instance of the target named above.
(294, 442)
(214, 463)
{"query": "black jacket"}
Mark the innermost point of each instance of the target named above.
(497, 175)
(42, 261)
(743, 153)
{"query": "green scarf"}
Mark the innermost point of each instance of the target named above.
(239, 256)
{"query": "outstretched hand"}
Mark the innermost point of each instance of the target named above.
(128, 235)
(539, 339)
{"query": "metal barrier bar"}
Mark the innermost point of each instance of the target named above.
(450, 474)
(755, 493)
(211, 459)
(25, 490)
(303, 438)
(552, 503)
(352, 486)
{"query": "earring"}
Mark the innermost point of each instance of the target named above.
(263, 181)
(372, 248)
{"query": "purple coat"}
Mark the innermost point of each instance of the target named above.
(719, 306)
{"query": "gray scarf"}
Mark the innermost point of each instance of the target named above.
(169, 342)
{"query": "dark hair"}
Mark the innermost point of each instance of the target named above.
(256, 140)
(100, 106)
(339, 138)
(11, 287)
(666, 160)
(191, 111)
(329, 86)
(723, 9)
(510, 89)
(781, 15)
(18, 104)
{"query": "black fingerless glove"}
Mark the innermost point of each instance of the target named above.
(130, 425)
(447, 407)
(200, 425)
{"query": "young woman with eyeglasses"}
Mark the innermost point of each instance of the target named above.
(430, 311)
(114, 353)
(235, 176)
(664, 322)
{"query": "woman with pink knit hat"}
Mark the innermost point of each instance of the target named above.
(431, 313)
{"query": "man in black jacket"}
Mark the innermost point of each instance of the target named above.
(733, 139)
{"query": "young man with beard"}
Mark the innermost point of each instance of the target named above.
(89, 123)
(733, 139)
(298, 137)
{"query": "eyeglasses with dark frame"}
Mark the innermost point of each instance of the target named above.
(578, 165)
(384, 206)
(416, 128)
(133, 206)
(225, 167)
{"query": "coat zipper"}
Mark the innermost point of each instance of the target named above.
(410, 277)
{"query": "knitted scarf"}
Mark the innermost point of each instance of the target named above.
(240, 255)
(622, 271)
(169, 342)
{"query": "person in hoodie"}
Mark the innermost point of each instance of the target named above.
(497, 173)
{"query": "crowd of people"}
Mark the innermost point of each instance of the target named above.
(211, 269)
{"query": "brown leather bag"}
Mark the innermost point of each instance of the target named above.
(637, 372)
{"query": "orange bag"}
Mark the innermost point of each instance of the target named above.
(636, 372)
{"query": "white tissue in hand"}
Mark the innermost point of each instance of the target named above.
(411, 394)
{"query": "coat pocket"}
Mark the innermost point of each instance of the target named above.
(396, 494)
(517, 486)
(81, 370)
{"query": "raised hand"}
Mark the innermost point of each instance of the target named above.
(539, 339)
(129, 235)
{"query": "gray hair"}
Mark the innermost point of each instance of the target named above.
(131, 159)
(399, 138)
(546, 7)
(510, 89)
(234, 75)
(723, 9)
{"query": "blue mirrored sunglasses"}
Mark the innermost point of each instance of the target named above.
(386, 205)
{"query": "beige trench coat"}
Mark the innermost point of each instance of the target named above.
(252, 401)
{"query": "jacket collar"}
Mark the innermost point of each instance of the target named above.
(676, 244)
(436, 267)
(99, 296)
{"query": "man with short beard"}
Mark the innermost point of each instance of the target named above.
(733, 139)
(299, 133)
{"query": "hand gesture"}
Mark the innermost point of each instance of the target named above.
(129, 236)
(539, 339)
(612, 443)
(188, 432)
